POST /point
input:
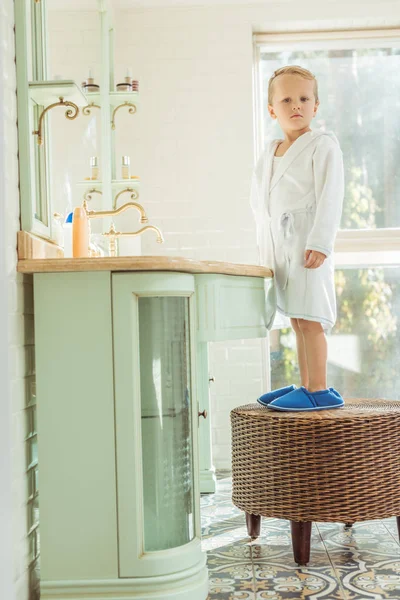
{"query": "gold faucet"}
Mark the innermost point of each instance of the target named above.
(112, 234)
(99, 214)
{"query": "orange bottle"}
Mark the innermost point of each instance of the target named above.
(80, 233)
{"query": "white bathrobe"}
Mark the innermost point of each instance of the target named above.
(300, 208)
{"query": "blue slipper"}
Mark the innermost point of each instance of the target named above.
(265, 399)
(302, 399)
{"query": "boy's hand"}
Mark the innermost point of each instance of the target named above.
(314, 259)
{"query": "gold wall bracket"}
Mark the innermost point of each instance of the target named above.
(86, 109)
(88, 195)
(68, 113)
(112, 236)
(132, 111)
(134, 196)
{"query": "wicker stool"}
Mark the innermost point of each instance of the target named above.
(339, 465)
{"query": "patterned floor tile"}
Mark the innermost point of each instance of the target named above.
(230, 528)
(357, 563)
(237, 539)
(230, 571)
(281, 582)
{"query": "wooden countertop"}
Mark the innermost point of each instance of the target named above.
(139, 263)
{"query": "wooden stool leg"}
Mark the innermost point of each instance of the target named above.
(253, 523)
(301, 538)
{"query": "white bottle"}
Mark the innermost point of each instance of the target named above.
(67, 227)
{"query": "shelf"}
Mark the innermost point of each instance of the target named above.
(45, 93)
(120, 184)
(116, 98)
(117, 184)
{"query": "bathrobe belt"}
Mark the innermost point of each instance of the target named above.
(286, 220)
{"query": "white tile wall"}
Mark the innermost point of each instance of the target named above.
(16, 337)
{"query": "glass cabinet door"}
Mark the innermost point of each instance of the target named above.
(156, 424)
(166, 416)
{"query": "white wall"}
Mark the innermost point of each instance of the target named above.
(16, 337)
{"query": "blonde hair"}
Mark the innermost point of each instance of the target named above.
(292, 70)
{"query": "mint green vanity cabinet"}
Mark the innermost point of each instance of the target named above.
(122, 373)
(117, 422)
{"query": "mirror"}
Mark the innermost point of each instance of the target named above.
(74, 148)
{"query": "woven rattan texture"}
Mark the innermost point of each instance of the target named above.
(339, 465)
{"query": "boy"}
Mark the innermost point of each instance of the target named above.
(297, 198)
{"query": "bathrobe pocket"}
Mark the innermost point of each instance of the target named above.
(282, 266)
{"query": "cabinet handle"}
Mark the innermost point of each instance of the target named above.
(211, 379)
(203, 414)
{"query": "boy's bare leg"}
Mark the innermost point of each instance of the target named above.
(316, 348)
(301, 352)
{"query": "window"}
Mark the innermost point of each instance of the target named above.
(359, 87)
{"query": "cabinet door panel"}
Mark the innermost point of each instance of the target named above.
(232, 308)
(75, 410)
(156, 423)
